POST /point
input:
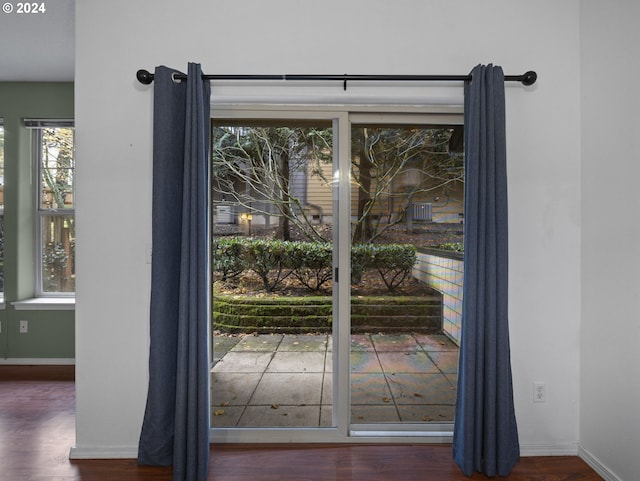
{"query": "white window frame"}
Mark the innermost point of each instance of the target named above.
(2, 303)
(39, 213)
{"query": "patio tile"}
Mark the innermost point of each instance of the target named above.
(326, 416)
(395, 342)
(421, 389)
(243, 362)
(406, 362)
(327, 390)
(447, 361)
(261, 343)
(223, 344)
(365, 361)
(435, 342)
(369, 389)
(232, 388)
(426, 413)
(365, 414)
(361, 342)
(288, 389)
(328, 362)
(286, 380)
(225, 417)
(452, 378)
(297, 362)
(283, 416)
(303, 343)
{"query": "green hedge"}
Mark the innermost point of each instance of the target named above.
(310, 263)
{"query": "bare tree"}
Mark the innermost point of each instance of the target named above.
(393, 166)
(57, 179)
(253, 166)
(57, 166)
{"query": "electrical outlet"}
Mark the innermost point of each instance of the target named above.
(539, 392)
(24, 327)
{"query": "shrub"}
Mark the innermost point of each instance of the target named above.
(362, 257)
(311, 263)
(268, 259)
(393, 262)
(227, 258)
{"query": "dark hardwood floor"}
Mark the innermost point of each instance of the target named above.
(37, 409)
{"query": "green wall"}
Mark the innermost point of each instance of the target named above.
(51, 333)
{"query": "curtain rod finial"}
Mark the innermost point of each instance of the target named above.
(144, 77)
(529, 78)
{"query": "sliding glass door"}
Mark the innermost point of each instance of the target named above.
(406, 197)
(273, 226)
(325, 328)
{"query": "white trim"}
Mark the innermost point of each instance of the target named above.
(48, 123)
(568, 449)
(40, 213)
(38, 361)
(104, 452)
(597, 466)
(322, 93)
(321, 435)
(131, 452)
(245, 110)
(46, 304)
(354, 103)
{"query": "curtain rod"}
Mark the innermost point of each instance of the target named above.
(528, 78)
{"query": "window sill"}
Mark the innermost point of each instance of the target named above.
(46, 304)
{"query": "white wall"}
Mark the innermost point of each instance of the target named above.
(113, 121)
(610, 382)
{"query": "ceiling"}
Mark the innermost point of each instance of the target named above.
(38, 47)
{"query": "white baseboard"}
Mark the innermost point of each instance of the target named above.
(570, 449)
(131, 452)
(103, 452)
(38, 361)
(597, 466)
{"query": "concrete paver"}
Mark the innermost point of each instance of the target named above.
(286, 380)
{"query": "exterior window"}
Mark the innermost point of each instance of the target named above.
(55, 227)
(1, 209)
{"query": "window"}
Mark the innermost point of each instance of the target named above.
(1, 209)
(55, 206)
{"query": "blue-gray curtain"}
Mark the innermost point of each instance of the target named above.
(175, 428)
(485, 433)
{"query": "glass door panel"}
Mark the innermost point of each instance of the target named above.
(406, 196)
(330, 319)
(272, 259)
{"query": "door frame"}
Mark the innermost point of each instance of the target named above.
(342, 116)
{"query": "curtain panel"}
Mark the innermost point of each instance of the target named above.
(485, 431)
(175, 428)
